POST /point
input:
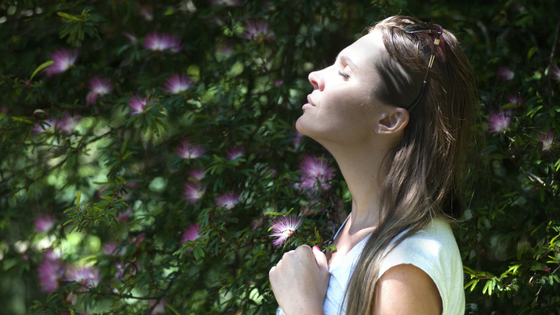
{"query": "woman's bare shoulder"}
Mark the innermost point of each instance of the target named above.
(406, 289)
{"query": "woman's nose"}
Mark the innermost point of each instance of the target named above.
(316, 80)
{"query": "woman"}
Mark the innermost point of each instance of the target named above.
(394, 111)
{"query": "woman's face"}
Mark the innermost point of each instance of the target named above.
(342, 107)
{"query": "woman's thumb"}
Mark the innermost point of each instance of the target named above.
(320, 258)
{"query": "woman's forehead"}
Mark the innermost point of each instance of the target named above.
(365, 48)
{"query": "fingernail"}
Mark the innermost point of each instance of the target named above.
(317, 248)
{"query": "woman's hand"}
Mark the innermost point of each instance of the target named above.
(300, 281)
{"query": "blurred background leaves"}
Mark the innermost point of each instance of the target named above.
(141, 171)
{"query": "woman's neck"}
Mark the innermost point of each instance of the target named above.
(361, 167)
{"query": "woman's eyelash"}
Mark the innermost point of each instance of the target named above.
(343, 74)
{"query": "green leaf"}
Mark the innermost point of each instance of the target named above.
(531, 52)
(41, 67)
(78, 199)
(70, 17)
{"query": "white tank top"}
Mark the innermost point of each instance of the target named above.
(433, 249)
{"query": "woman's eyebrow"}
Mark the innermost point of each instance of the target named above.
(347, 60)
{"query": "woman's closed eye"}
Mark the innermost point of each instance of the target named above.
(346, 76)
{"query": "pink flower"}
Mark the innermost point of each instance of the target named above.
(176, 83)
(147, 12)
(68, 122)
(514, 98)
(99, 87)
(159, 308)
(187, 150)
(132, 39)
(235, 152)
(88, 277)
(228, 2)
(499, 122)
(225, 49)
(257, 31)
(190, 234)
(44, 223)
(160, 42)
(193, 191)
(50, 271)
(138, 104)
(197, 174)
(125, 216)
(63, 60)
(139, 239)
(297, 139)
(110, 248)
(555, 72)
(120, 271)
(283, 228)
(315, 173)
(227, 200)
(505, 74)
(547, 140)
(257, 223)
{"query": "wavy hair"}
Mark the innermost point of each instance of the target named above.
(424, 176)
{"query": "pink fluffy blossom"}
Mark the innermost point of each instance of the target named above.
(51, 271)
(230, 3)
(146, 11)
(505, 73)
(138, 239)
(63, 60)
(131, 38)
(176, 83)
(159, 308)
(514, 98)
(235, 152)
(193, 191)
(197, 174)
(315, 173)
(555, 72)
(227, 200)
(190, 151)
(257, 31)
(191, 233)
(499, 121)
(120, 270)
(257, 223)
(547, 140)
(283, 228)
(87, 277)
(99, 87)
(68, 123)
(110, 247)
(297, 139)
(138, 104)
(44, 223)
(225, 49)
(160, 42)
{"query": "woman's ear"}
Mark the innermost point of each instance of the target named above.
(391, 121)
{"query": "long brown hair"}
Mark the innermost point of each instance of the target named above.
(424, 176)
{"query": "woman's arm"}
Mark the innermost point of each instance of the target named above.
(300, 281)
(406, 289)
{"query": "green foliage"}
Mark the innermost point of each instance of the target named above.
(111, 179)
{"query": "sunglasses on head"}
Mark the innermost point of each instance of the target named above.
(425, 28)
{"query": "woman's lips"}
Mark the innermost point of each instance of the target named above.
(309, 102)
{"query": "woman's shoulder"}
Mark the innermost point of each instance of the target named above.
(434, 243)
(434, 251)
